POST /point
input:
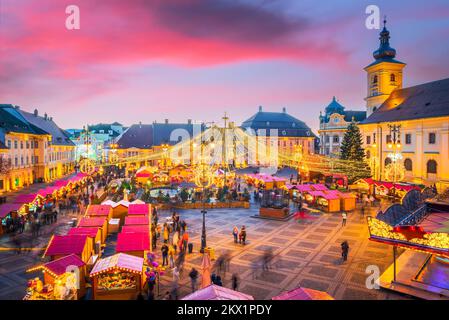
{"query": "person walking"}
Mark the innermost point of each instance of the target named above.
(344, 250)
(235, 281)
(242, 235)
(193, 279)
(362, 212)
(164, 250)
(344, 216)
(185, 241)
(166, 233)
(171, 255)
(175, 241)
(235, 233)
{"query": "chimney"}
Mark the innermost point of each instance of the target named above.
(140, 124)
(284, 110)
(260, 108)
(189, 121)
(45, 116)
(36, 113)
(166, 121)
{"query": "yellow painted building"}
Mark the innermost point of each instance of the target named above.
(33, 151)
(406, 134)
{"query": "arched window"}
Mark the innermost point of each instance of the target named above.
(375, 79)
(408, 164)
(387, 161)
(392, 77)
(432, 167)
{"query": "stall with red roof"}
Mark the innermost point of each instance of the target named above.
(139, 210)
(96, 222)
(118, 277)
(61, 246)
(8, 211)
(99, 210)
(143, 220)
(133, 243)
(64, 279)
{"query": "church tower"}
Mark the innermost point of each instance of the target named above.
(384, 75)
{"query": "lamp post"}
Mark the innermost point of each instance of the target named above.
(395, 145)
(203, 180)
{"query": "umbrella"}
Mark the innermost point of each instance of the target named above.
(206, 273)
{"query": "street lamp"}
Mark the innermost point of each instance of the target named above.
(203, 180)
(394, 145)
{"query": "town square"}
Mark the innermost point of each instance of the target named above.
(104, 198)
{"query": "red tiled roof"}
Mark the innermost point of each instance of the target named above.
(132, 242)
(65, 245)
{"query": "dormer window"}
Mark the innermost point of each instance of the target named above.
(375, 79)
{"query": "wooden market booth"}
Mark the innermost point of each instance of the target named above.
(61, 246)
(99, 210)
(94, 233)
(97, 222)
(56, 274)
(136, 229)
(118, 277)
(139, 210)
(139, 220)
(119, 209)
(347, 200)
(133, 243)
(329, 202)
(8, 211)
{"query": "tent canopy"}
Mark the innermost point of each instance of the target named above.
(214, 292)
(303, 294)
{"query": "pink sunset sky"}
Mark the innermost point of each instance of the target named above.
(140, 60)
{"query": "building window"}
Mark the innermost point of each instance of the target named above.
(326, 139)
(408, 164)
(9, 144)
(388, 138)
(15, 144)
(36, 144)
(368, 154)
(408, 138)
(368, 139)
(387, 161)
(21, 144)
(375, 79)
(336, 139)
(432, 138)
(392, 78)
(432, 167)
(374, 137)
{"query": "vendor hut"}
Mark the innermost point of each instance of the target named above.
(98, 210)
(139, 210)
(136, 229)
(8, 212)
(98, 222)
(328, 202)
(61, 246)
(30, 202)
(119, 209)
(135, 243)
(94, 233)
(64, 279)
(130, 221)
(347, 200)
(118, 277)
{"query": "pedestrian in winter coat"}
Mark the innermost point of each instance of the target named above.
(242, 235)
(344, 250)
(235, 233)
(193, 278)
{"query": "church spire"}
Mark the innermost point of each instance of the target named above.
(384, 51)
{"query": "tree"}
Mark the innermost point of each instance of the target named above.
(351, 146)
(352, 151)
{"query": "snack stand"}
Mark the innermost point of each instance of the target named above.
(60, 283)
(98, 222)
(133, 243)
(61, 246)
(328, 202)
(118, 277)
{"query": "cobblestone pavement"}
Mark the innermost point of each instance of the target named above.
(305, 254)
